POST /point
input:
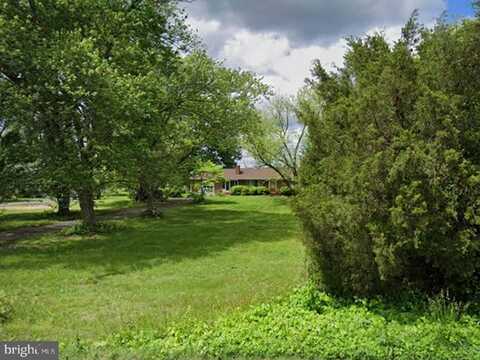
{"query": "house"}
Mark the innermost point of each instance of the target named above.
(248, 177)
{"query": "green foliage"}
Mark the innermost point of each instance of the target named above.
(237, 190)
(174, 192)
(262, 190)
(209, 174)
(198, 198)
(312, 324)
(443, 308)
(6, 307)
(113, 91)
(286, 191)
(274, 140)
(249, 190)
(67, 68)
(391, 176)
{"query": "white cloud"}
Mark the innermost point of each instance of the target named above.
(276, 54)
(284, 67)
(296, 67)
(204, 27)
(255, 51)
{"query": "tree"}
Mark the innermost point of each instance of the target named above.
(196, 113)
(277, 139)
(17, 165)
(72, 62)
(209, 174)
(390, 180)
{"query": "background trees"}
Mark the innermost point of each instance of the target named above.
(390, 181)
(276, 139)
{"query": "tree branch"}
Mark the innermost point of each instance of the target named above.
(8, 75)
(299, 142)
(33, 9)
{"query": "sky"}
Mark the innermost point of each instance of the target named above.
(279, 39)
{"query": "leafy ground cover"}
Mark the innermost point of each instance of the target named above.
(310, 325)
(196, 262)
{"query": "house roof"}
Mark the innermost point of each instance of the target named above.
(251, 174)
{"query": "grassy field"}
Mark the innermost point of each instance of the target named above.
(11, 219)
(197, 262)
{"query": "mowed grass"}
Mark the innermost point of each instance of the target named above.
(15, 219)
(11, 219)
(195, 263)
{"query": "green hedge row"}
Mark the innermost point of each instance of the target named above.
(249, 190)
(258, 190)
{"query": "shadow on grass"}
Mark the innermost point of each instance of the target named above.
(33, 217)
(50, 215)
(184, 233)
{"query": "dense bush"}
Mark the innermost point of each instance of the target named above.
(390, 181)
(262, 190)
(174, 192)
(311, 324)
(286, 191)
(249, 190)
(236, 190)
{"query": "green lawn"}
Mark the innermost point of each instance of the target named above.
(18, 218)
(197, 262)
(14, 219)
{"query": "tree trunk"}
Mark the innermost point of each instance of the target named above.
(63, 201)
(87, 203)
(141, 194)
(152, 209)
(150, 202)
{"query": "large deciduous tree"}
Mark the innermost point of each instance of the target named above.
(198, 112)
(70, 62)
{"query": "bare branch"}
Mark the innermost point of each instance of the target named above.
(299, 143)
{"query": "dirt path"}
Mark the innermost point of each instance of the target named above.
(8, 237)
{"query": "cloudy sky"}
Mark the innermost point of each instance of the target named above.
(279, 39)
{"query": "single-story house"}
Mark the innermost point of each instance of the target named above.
(246, 176)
